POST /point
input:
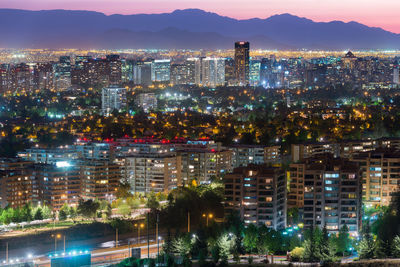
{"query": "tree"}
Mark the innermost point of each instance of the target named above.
(88, 208)
(325, 250)
(310, 248)
(225, 243)
(250, 238)
(343, 241)
(26, 213)
(72, 212)
(123, 190)
(123, 208)
(152, 202)
(47, 213)
(63, 213)
(367, 246)
(38, 215)
(396, 247)
(296, 254)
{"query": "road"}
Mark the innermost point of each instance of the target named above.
(102, 249)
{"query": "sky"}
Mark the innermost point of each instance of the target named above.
(376, 13)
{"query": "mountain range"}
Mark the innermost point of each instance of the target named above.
(182, 29)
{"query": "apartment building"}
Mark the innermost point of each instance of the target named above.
(258, 193)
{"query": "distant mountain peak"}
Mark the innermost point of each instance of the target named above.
(49, 28)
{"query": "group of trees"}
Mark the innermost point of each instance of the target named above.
(382, 238)
(26, 213)
(320, 246)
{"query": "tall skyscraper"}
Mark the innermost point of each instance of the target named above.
(142, 73)
(113, 98)
(396, 76)
(114, 69)
(62, 73)
(254, 75)
(242, 62)
(213, 71)
(161, 70)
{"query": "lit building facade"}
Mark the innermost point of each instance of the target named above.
(258, 193)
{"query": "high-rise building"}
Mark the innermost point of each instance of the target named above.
(18, 185)
(213, 72)
(396, 75)
(161, 70)
(100, 179)
(60, 182)
(62, 73)
(142, 73)
(254, 76)
(159, 172)
(328, 190)
(127, 66)
(114, 69)
(244, 155)
(229, 71)
(242, 57)
(179, 73)
(380, 175)
(113, 98)
(258, 193)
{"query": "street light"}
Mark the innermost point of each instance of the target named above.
(141, 225)
(57, 236)
(207, 216)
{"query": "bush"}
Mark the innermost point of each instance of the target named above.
(296, 254)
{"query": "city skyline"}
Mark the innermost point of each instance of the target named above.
(372, 13)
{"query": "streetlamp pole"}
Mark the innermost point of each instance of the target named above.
(188, 227)
(116, 237)
(158, 239)
(148, 238)
(64, 243)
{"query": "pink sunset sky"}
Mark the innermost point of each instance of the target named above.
(378, 13)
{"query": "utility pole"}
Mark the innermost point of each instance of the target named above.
(64, 243)
(188, 219)
(116, 237)
(7, 252)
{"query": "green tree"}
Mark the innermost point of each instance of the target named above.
(64, 212)
(396, 246)
(250, 239)
(88, 208)
(326, 252)
(47, 213)
(343, 241)
(152, 202)
(38, 215)
(297, 254)
(310, 247)
(26, 213)
(366, 248)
